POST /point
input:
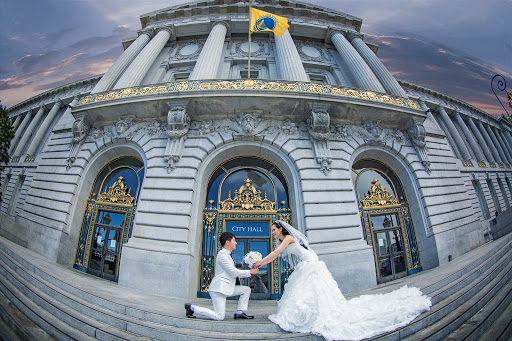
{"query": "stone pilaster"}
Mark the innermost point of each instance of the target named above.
(489, 142)
(135, 73)
(455, 134)
(386, 79)
(471, 139)
(207, 65)
(41, 131)
(28, 132)
(114, 72)
(19, 131)
(481, 141)
(290, 64)
(362, 74)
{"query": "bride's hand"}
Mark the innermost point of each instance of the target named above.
(257, 264)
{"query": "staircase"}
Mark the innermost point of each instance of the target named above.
(471, 299)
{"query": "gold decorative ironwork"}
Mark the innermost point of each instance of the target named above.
(501, 165)
(250, 84)
(15, 159)
(209, 220)
(29, 158)
(378, 196)
(481, 164)
(493, 165)
(247, 198)
(467, 163)
(118, 193)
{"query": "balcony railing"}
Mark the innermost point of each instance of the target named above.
(249, 85)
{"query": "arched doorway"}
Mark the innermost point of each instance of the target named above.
(387, 221)
(244, 195)
(108, 217)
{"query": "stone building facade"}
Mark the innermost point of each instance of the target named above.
(132, 175)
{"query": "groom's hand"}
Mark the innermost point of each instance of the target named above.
(254, 271)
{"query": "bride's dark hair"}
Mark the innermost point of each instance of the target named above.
(284, 230)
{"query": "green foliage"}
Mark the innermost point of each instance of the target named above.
(6, 135)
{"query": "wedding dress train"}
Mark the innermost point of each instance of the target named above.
(313, 303)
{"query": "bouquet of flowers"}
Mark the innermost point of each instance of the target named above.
(252, 257)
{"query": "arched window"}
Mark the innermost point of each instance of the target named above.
(243, 196)
(386, 219)
(108, 218)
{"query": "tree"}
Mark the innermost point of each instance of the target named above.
(6, 135)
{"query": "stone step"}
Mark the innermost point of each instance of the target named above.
(452, 312)
(501, 329)
(16, 326)
(479, 323)
(90, 304)
(443, 308)
(103, 324)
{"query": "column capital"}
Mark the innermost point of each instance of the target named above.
(226, 23)
(332, 31)
(353, 35)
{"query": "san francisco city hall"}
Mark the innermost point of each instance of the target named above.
(132, 175)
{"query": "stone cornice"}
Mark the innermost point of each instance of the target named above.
(289, 9)
(454, 101)
(68, 90)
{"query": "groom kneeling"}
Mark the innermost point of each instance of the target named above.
(223, 284)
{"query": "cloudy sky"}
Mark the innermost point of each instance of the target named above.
(454, 47)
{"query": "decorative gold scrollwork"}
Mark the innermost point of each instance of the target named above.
(209, 220)
(118, 193)
(247, 198)
(378, 196)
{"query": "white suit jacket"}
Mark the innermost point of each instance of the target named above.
(226, 273)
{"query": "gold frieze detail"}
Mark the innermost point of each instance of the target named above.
(247, 198)
(378, 196)
(250, 84)
(118, 193)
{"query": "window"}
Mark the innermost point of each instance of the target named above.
(481, 199)
(503, 193)
(317, 79)
(183, 76)
(16, 195)
(494, 196)
(254, 74)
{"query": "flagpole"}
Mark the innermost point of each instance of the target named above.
(249, 66)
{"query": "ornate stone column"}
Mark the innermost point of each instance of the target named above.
(503, 158)
(41, 131)
(363, 75)
(508, 138)
(114, 72)
(502, 145)
(290, 64)
(207, 64)
(29, 132)
(139, 67)
(455, 134)
(19, 131)
(471, 139)
(481, 141)
(489, 142)
(506, 144)
(386, 79)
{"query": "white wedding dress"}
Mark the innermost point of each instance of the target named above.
(313, 303)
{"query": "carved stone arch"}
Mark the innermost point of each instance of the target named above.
(229, 150)
(397, 162)
(95, 162)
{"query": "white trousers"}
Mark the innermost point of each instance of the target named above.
(219, 303)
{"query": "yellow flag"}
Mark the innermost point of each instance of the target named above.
(264, 21)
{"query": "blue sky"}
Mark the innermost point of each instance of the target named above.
(454, 47)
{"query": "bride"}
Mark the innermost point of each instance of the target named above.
(313, 303)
